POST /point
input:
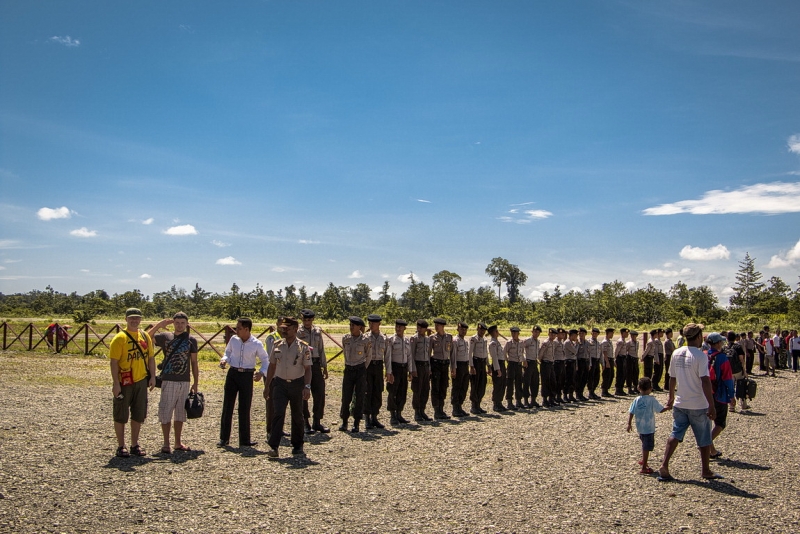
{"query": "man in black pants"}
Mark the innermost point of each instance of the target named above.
(398, 358)
(373, 397)
(583, 363)
(546, 371)
(498, 370)
(420, 367)
(312, 335)
(478, 354)
(357, 354)
(621, 356)
(607, 361)
(460, 366)
(441, 356)
(530, 380)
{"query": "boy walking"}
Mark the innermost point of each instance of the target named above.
(644, 407)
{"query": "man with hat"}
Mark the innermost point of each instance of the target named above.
(441, 356)
(420, 367)
(658, 362)
(478, 367)
(559, 366)
(290, 369)
(583, 363)
(633, 363)
(312, 336)
(649, 354)
(133, 371)
(459, 367)
(621, 356)
(530, 379)
(515, 358)
(373, 398)
(546, 372)
(595, 363)
(398, 358)
(498, 370)
(570, 357)
(357, 354)
(607, 361)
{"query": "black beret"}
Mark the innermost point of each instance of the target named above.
(439, 320)
(634, 333)
(653, 332)
(609, 329)
(493, 328)
(537, 328)
(374, 318)
(483, 325)
(462, 324)
(668, 331)
(552, 331)
(595, 330)
(307, 314)
(660, 330)
(357, 320)
(582, 329)
(289, 321)
(573, 331)
(422, 322)
(561, 331)
(515, 329)
(401, 322)
(623, 330)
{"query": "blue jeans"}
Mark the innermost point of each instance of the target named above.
(682, 419)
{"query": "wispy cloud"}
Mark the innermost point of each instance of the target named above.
(148, 221)
(524, 216)
(423, 201)
(220, 244)
(83, 232)
(230, 260)
(308, 242)
(718, 252)
(664, 273)
(2, 268)
(785, 260)
(8, 243)
(48, 214)
(355, 274)
(794, 143)
(145, 275)
(184, 229)
(66, 40)
(278, 270)
(772, 198)
(11, 261)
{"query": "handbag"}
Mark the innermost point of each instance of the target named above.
(194, 405)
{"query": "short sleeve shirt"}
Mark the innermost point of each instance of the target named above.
(124, 350)
(688, 366)
(177, 355)
(290, 360)
(644, 408)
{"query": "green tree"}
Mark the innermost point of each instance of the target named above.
(501, 270)
(445, 297)
(748, 287)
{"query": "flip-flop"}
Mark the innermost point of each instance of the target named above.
(665, 478)
(166, 450)
(646, 471)
(714, 477)
(718, 455)
(122, 452)
(183, 448)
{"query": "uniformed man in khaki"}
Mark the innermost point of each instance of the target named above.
(441, 356)
(546, 371)
(559, 364)
(607, 355)
(595, 363)
(530, 379)
(515, 360)
(649, 354)
(373, 397)
(570, 365)
(633, 363)
(621, 356)
(420, 371)
(583, 364)
(658, 363)
(498, 362)
(290, 369)
(312, 335)
(398, 358)
(478, 369)
(459, 368)
(357, 354)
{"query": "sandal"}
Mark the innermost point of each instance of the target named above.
(137, 451)
(166, 450)
(646, 471)
(183, 448)
(122, 452)
(717, 455)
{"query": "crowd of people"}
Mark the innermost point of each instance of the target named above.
(566, 366)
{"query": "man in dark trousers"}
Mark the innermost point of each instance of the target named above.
(441, 356)
(398, 358)
(478, 367)
(357, 354)
(420, 367)
(373, 396)
(312, 335)
(459, 368)
(498, 363)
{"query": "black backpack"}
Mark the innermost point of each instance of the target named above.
(733, 357)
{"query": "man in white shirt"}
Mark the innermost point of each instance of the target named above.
(771, 347)
(694, 404)
(794, 350)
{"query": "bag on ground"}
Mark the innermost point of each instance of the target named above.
(195, 404)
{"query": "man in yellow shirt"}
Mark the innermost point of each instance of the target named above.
(131, 356)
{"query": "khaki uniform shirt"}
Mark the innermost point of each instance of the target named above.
(514, 351)
(460, 351)
(649, 349)
(356, 349)
(622, 347)
(398, 350)
(314, 339)
(593, 349)
(290, 360)
(532, 348)
(570, 350)
(441, 347)
(558, 350)
(477, 349)
(633, 348)
(420, 351)
(607, 351)
(378, 344)
(659, 351)
(496, 353)
(547, 350)
(582, 352)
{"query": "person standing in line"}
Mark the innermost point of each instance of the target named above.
(357, 355)
(478, 367)
(593, 350)
(269, 343)
(570, 359)
(441, 356)
(312, 336)
(633, 363)
(738, 361)
(241, 353)
(794, 349)
(559, 365)
(290, 369)
(749, 345)
(761, 347)
(658, 363)
(514, 351)
(583, 364)
(459, 368)
(373, 397)
(649, 354)
(669, 348)
(420, 371)
(607, 360)
(621, 356)
(770, 352)
(498, 370)
(546, 372)
(398, 358)
(131, 355)
(530, 380)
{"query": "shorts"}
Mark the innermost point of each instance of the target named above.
(133, 403)
(648, 441)
(173, 400)
(770, 360)
(722, 414)
(682, 419)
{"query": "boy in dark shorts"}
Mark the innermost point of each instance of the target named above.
(644, 407)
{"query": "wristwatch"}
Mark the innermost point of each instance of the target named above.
(308, 386)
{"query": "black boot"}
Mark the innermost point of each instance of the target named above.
(343, 426)
(475, 410)
(425, 417)
(400, 418)
(393, 420)
(418, 416)
(319, 427)
(376, 423)
(368, 422)
(534, 404)
(498, 407)
(309, 429)
(356, 423)
(520, 405)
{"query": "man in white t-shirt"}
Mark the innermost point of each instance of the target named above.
(771, 348)
(794, 350)
(693, 406)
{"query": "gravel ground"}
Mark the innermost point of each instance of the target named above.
(571, 469)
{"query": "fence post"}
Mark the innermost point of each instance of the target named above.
(30, 336)
(5, 334)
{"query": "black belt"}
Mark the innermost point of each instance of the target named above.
(242, 370)
(439, 360)
(478, 358)
(355, 364)
(315, 360)
(289, 380)
(421, 362)
(400, 364)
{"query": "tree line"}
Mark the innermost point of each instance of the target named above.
(752, 302)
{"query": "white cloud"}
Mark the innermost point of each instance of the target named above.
(355, 274)
(2, 268)
(773, 198)
(278, 270)
(596, 287)
(85, 270)
(83, 232)
(794, 143)
(11, 261)
(423, 201)
(538, 214)
(184, 229)
(66, 40)
(145, 275)
(220, 244)
(230, 260)
(148, 221)
(308, 242)
(665, 273)
(48, 214)
(405, 278)
(630, 285)
(785, 260)
(728, 291)
(377, 289)
(8, 243)
(526, 217)
(717, 252)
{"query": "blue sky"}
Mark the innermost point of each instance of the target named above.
(159, 144)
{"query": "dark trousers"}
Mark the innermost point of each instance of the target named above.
(762, 365)
(460, 384)
(658, 371)
(477, 382)
(569, 377)
(270, 407)
(440, 380)
(421, 386)
(287, 394)
(317, 392)
(622, 362)
(373, 397)
(581, 376)
(530, 380)
(559, 371)
(353, 383)
(632, 372)
(547, 375)
(795, 357)
(667, 360)
(749, 360)
(240, 384)
(648, 366)
(499, 383)
(608, 376)
(398, 391)
(514, 381)
(594, 374)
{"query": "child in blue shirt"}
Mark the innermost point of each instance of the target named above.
(644, 407)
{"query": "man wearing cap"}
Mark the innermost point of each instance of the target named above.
(131, 356)
(273, 337)
(649, 354)
(595, 363)
(583, 363)
(420, 367)
(459, 367)
(547, 375)
(398, 358)
(515, 358)
(570, 357)
(498, 370)
(559, 366)
(693, 406)
(633, 363)
(441, 356)
(241, 354)
(290, 369)
(658, 362)
(373, 398)
(530, 379)
(312, 336)
(607, 361)
(621, 357)
(478, 368)
(357, 354)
